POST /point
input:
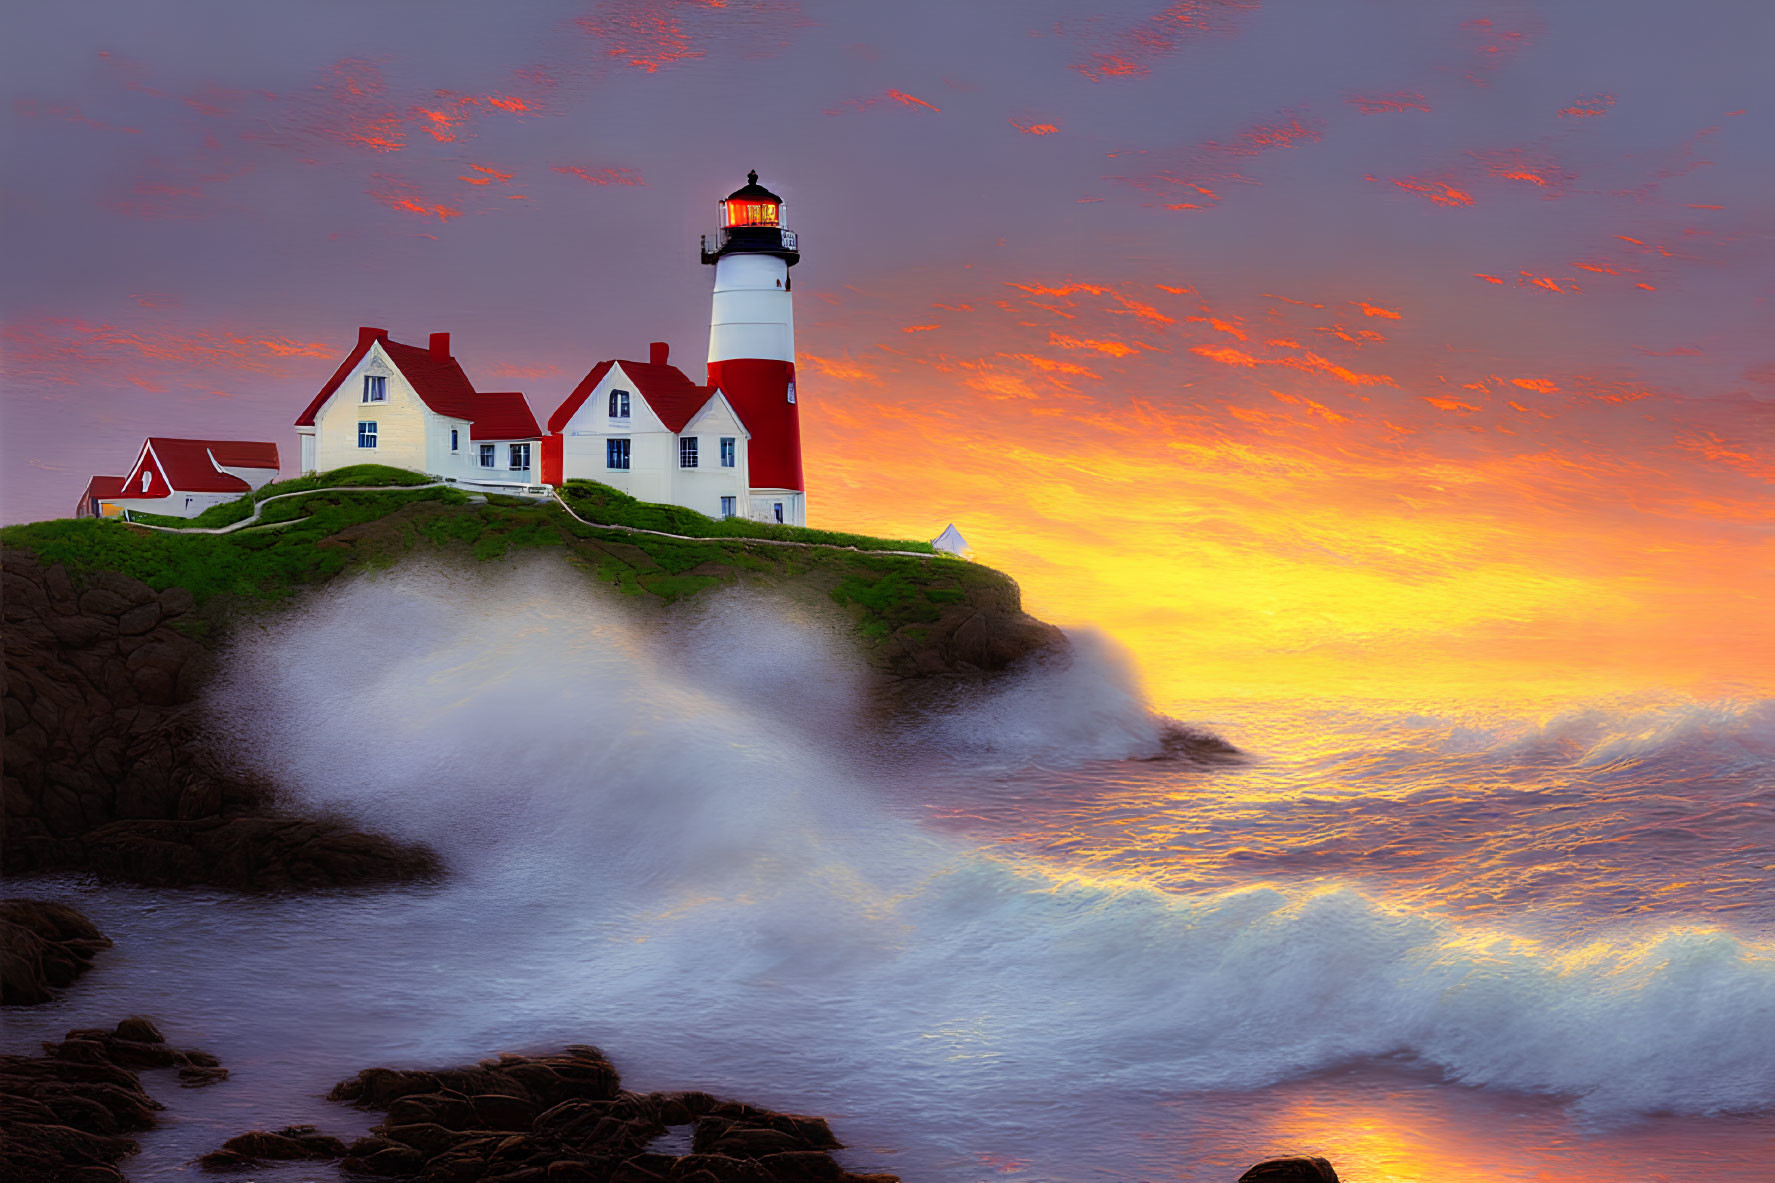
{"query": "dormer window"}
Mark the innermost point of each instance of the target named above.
(619, 404)
(375, 388)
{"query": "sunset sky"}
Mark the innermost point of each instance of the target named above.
(1371, 348)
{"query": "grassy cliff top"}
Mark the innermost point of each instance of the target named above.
(301, 542)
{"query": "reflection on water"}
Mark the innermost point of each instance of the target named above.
(1649, 809)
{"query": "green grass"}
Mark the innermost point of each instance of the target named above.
(339, 528)
(252, 565)
(601, 503)
(241, 507)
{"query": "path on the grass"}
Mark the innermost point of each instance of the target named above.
(553, 495)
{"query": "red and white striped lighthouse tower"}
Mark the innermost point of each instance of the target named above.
(752, 342)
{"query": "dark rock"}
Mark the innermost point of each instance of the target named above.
(139, 619)
(573, 1122)
(99, 602)
(67, 1114)
(453, 1113)
(428, 1137)
(1290, 1170)
(393, 1162)
(495, 1112)
(227, 1160)
(105, 748)
(801, 1166)
(44, 946)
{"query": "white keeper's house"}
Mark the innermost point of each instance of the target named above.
(647, 429)
(401, 405)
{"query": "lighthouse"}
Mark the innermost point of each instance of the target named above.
(752, 343)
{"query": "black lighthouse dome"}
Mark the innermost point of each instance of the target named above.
(752, 224)
(752, 191)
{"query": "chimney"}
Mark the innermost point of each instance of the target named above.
(658, 352)
(440, 347)
(366, 334)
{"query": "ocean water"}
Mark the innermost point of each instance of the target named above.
(1017, 938)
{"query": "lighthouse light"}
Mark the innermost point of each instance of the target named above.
(751, 213)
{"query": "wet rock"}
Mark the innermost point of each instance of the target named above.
(565, 1118)
(44, 946)
(95, 1045)
(140, 1030)
(106, 766)
(1290, 1170)
(257, 1147)
(68, 1114)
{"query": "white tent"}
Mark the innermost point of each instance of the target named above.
(951, 542)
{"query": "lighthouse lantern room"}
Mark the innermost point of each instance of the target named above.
(752, 342)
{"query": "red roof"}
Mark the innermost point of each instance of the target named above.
(187, 466)
(366, 337)
(442, 386)
(673, 397)
(503, 415)
(103, 488)
(577, 399)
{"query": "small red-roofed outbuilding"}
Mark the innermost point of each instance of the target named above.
(98, 499)
(183, 477)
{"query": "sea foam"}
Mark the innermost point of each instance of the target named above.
(666, 828)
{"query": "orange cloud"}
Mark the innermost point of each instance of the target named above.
(1435, 191)
(1130, 51)
(489, 175)
(644, 36)
(1311, 363)
(1398, 100)
(1212, 162)
(1374, 310)
(1528, 166)
(1036, 129)
(1491, 44)
(1588, 107)
(1538, 385)
(1112, 348)
(601, 176)
(403, 196)
(1529, 279)
(906, 100)
(887, 96)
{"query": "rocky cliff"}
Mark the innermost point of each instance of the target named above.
(105, 770)
(110, 633)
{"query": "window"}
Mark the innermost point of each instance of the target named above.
(619, 404)
(727, 451)
(520, 456)
(488, 452)
(727, 507)
(616, 454)
(147, 479)
(366, 433)
(687, 452)
(455, 439)
(375, 388)
(791, 391)
(779, 506)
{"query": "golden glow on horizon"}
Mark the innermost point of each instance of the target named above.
(1322, 538)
